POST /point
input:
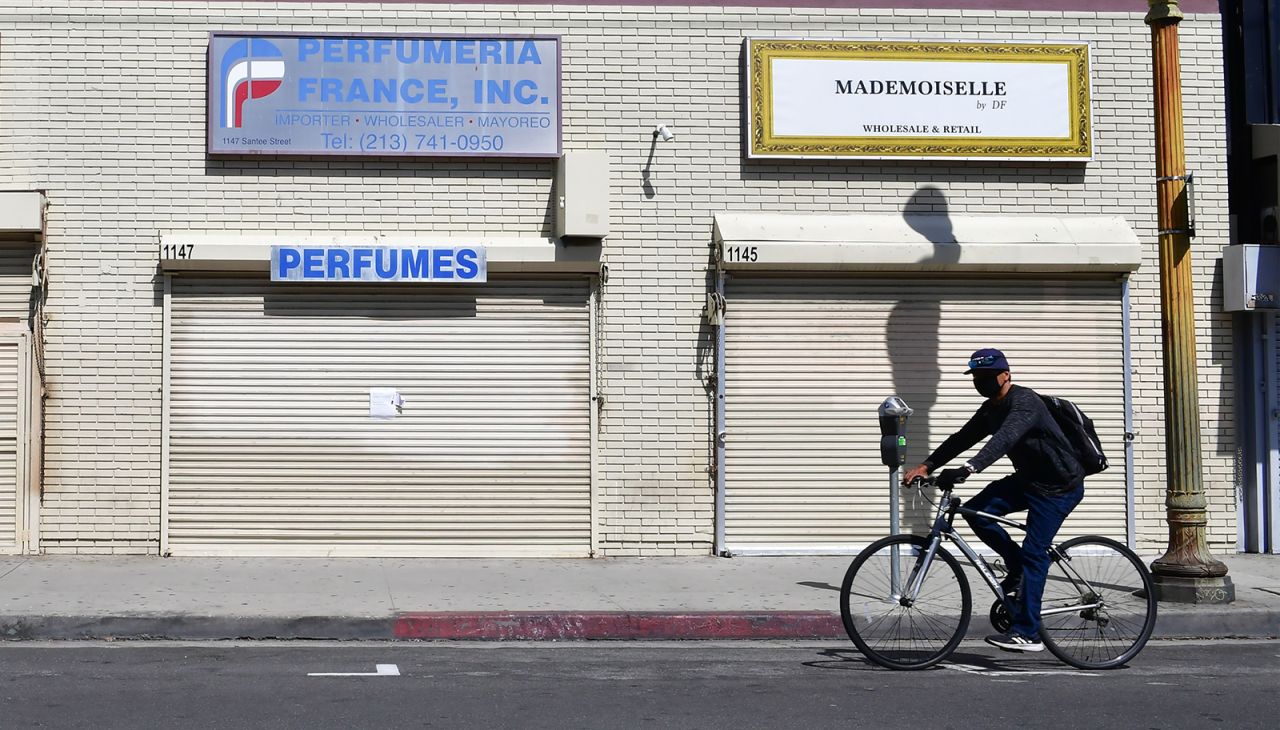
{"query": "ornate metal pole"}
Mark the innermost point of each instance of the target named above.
(1187, 573)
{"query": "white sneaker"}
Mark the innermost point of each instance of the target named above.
(1014, 642)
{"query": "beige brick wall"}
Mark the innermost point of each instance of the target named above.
(103, 106)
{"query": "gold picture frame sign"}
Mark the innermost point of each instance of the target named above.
(763, 142)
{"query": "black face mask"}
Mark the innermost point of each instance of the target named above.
(988, 386)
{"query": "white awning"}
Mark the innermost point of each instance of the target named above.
(881, 242)
(181, 251)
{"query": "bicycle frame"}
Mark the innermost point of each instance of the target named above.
(948, 508)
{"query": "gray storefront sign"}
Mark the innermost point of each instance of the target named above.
(446, 96)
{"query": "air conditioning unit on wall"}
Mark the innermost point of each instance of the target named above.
(1251, 269)
(1264, 184)
(1251, 277)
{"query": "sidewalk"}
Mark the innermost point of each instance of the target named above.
(659, 598)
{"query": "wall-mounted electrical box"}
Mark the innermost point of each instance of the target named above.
(21, 213)
(582, 195)
(1251, 277)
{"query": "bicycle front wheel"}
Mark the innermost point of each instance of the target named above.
(903, 633)
(1099, 606)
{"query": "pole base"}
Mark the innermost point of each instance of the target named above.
(1203, 591)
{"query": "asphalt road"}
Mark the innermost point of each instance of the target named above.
(621, 685)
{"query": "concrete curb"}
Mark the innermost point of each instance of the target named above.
(73, 628)
(1207, 623)
(605, 625)
(1219, 622)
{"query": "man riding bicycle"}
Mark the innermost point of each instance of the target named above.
(1047, 482)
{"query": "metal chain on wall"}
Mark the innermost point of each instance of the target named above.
(39, 298)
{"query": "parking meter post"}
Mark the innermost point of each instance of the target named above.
(893, 415)
(894, 496)
(894, 529)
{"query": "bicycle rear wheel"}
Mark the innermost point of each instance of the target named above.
(898, 636)
(1102, 572)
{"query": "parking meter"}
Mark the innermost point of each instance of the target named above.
(893, 454)
(893, 432)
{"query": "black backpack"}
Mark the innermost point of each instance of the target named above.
(1080, 433)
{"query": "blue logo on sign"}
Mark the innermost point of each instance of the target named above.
(251, 69)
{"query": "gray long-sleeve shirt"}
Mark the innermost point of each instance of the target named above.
(1021, 427)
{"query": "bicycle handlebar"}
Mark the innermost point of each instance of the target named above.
(920, 482)
(953, 503)
(932, 481)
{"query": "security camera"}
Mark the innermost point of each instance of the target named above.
(663, 133)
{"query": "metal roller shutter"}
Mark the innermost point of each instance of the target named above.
(15, 299)
(15, 280)
(808, 361)
(9, 486)
(1269, 500)
(272, 450)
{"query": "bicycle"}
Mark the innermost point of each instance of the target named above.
(1098, 611)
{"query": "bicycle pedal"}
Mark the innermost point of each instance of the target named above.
(1000, 616)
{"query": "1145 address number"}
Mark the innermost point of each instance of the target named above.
(741, 254)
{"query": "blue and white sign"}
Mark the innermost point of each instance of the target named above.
(444, 265)
(384, 95)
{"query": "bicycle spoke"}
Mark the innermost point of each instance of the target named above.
(1115, 617)
(904, 636)
(937, 624)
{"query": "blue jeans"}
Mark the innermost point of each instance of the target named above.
(1045, 514)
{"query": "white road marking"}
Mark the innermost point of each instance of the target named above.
(384, 670)
(971, 669)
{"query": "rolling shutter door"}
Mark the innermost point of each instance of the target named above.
(15, 280)
(1269, 500)
(9, 487)
(808, 361)
(15, 302)
(272, 450)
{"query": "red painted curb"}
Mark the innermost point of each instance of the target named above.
(556, 625)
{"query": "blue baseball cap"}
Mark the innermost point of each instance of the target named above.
(988, 358)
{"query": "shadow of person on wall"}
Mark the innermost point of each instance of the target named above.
(912, 339)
